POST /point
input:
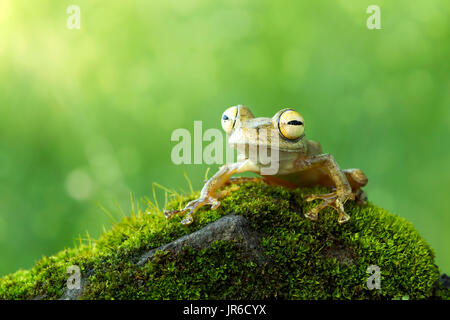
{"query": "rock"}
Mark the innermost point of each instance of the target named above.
(445, 281)
(228, 228)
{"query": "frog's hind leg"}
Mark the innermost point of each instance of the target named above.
(355, 177)
(357, 180)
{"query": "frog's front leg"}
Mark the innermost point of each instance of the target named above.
(335, 199)
(209, 194)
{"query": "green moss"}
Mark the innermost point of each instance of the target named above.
(308, 260)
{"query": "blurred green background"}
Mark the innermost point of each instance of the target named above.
(86, 115)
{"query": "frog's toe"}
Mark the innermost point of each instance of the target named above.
(191, 208)
(343, 218)
(188, 219)
(329, 200)
(215, 204)
(326, 196)
(312, 215)
(169, 214)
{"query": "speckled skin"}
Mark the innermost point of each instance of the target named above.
(301, 163)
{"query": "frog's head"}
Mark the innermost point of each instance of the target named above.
(284, 131)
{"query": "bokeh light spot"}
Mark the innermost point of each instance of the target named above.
(79, 185)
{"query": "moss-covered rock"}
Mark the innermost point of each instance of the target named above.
(298, 258)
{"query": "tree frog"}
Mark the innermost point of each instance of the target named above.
(300, 163)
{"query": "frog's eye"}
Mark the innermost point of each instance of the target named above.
(291, 124)
(229, 118)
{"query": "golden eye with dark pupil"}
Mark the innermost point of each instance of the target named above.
(229, 118)
(291, 124)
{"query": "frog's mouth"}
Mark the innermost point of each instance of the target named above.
(280, 144)
(253, 149)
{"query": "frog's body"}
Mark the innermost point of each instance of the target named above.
(299, 162)
(294, 178)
